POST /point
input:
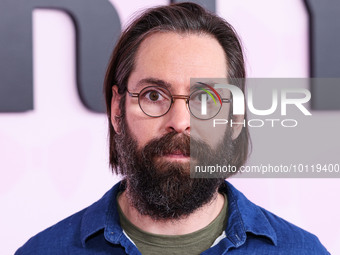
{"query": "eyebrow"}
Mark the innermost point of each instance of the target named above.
(153, 81)
(200, 84)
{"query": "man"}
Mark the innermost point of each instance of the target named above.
(158, 208)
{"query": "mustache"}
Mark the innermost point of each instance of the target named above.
(175, 143)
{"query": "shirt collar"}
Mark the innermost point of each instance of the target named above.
(244, 217)
(102, 215)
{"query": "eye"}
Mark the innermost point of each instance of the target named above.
(199, 95)
(153, 95)
(205, 95)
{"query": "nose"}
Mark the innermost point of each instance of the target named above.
(178, 117)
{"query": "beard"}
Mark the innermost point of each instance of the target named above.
(162, 189)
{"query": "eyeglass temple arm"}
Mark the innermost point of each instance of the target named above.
(226, 100)
(132, 94)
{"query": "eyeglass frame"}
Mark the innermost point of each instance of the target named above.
(186, 98)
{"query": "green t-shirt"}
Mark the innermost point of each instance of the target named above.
(193, 243)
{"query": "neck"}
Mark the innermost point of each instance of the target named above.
(195, 221)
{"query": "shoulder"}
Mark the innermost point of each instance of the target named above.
(265, 231)
(69, 235)
(56, 238)
(292, 237)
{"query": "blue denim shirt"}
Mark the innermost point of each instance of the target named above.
(250, 230)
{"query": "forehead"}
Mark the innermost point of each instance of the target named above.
(174, 58)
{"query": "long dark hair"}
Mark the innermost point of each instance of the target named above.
(187, 18)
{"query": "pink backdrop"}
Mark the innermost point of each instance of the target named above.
(54, 159)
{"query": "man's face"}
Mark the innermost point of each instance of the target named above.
(155, 152)
(173, 59)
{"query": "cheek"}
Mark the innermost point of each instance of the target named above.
(142, 128)
(135, 121)
(211, 131)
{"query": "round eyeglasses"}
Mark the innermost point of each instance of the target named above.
(203, 103)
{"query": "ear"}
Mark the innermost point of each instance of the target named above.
(115, 110)
(238, 123)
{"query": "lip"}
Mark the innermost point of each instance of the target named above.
(177, 155)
